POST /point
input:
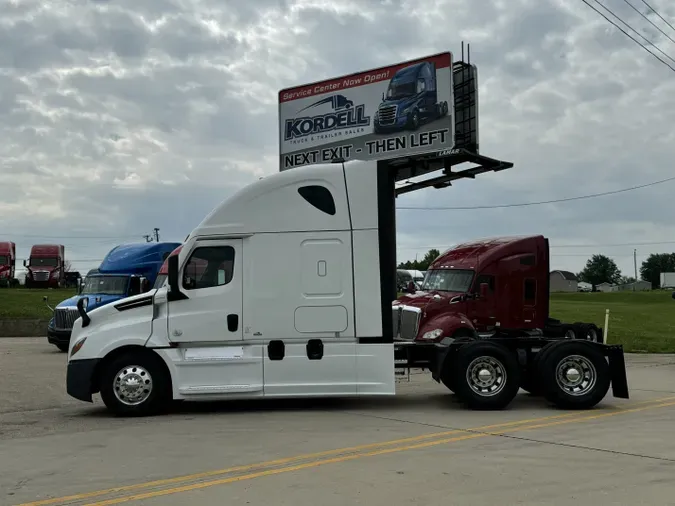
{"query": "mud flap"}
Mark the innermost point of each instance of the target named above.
(617, 371)
(441, 352)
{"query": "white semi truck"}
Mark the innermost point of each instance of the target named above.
(286, 290)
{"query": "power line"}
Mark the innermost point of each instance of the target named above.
(630, 36)
(631, 28)
(593, 195)
(659, 15)
(650, 21)
(612, 245)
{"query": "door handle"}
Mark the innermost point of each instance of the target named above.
(232, 322)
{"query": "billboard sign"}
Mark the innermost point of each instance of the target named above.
(395, 111)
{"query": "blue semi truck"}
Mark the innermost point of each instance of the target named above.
(410, 101)
(128, 269)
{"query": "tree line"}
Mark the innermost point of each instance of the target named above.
(599, 268)
(423, 264)
(602, 269)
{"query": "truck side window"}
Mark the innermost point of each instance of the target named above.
(209, 266)
(530, 289)
(485, 278)
(320, 197)
(528, 260)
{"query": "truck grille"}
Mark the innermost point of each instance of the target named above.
(65, 318)
(406, 321)
(41, 276)
(387, 114)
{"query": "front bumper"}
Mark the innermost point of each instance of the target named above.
(80, 378)
(58, 336)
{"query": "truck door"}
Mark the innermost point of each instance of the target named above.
(484, 309)
(212, 280)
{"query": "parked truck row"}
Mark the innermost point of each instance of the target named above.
(45, 266)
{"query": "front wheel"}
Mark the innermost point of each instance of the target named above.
(486, 375)
(135, 384)
(62, 347)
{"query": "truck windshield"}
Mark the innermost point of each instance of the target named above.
(106, 285)
(401, 90)
(44, 262)
(4, 260)
(445, 280)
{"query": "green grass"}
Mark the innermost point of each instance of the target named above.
(24, 303)
(641, 321)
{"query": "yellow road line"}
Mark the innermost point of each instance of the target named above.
(289, 460)
(223, 481)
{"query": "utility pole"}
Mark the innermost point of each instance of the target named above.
(156, 234)
(635, 266)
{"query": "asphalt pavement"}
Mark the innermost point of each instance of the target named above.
(420, 447)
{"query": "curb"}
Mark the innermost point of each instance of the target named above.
(23, 327)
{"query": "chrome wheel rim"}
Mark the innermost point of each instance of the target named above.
(132, 385)
(486, 376)
(576, 375)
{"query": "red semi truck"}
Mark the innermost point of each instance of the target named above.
(46, 266)
(497, 287)
(8, 264)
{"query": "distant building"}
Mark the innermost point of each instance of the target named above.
(563, 281)
(607, 287)
(638, 286)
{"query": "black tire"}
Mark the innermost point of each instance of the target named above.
(495, 392)
(593, 383)
(590, 332)
(62, 347)
(136, 366)
(447, 377)
(571, 331)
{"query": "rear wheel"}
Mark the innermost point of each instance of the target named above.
(574, 375)
(486, 375)
(135, 383)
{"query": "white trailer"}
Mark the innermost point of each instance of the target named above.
(667, 280)
(286, 290)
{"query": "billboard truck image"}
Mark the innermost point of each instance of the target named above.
(411, 99)
(390, 112)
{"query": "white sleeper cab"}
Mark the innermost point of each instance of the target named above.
(276, 293)
(286, 290)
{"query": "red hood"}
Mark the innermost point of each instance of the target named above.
(422, 299)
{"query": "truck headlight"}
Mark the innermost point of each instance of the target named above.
(433, 334)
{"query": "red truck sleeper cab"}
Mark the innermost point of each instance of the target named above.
(492, 284)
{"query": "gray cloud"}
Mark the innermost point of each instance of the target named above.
(117, 117)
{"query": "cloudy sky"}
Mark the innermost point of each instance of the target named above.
(119, 116)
